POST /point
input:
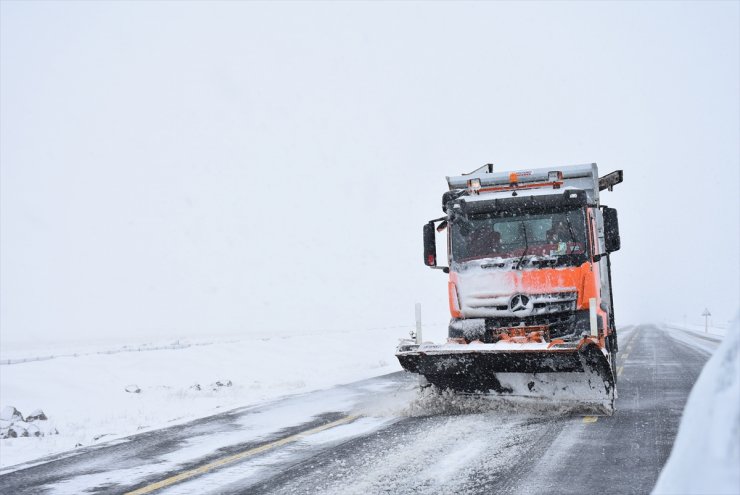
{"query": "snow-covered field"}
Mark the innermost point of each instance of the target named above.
(706, 454)
(82, 389)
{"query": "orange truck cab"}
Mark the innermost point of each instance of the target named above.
(529, 249)
(529, 271)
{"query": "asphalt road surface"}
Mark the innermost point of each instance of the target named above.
(378, 436)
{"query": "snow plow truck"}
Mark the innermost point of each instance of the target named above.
(529, 287)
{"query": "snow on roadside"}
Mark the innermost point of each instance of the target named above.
(86, 400)
(716, 330)
(706, 454)
(696, 341)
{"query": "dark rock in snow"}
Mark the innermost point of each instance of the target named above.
(8, 433)
(133, 389)
(10, 413)
(20, 429)
(195, 387)
(37, 415)
(216, 385)
(34, 431)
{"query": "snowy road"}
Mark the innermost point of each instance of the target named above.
(368, 437)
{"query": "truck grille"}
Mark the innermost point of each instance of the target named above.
(497, 306)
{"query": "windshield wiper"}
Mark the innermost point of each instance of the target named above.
(526, 247)
(493, 265)
(545, 261)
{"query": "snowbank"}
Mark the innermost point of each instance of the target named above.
(706, 453)
(716, 330)
(98, 396)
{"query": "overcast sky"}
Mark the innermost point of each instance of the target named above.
(185, 168)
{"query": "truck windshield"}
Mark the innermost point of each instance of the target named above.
(511, 235)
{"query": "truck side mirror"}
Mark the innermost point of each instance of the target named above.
(611, 230)
(430, 245)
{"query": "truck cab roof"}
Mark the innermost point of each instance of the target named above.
(485, 183)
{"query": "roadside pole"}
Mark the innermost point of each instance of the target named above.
(417, 309)
(706, 314)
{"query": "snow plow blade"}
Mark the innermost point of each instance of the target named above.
(578, 373)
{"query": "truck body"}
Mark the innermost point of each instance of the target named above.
(529, 285)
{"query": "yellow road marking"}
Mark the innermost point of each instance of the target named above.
(590, 419)
(236, 457)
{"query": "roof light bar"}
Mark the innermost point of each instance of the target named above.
(555, 177)
(474, 185)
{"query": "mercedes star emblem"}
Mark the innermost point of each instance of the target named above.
(519, 302)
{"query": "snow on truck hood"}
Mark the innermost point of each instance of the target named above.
(487, 292)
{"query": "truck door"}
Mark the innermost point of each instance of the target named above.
(603, 263)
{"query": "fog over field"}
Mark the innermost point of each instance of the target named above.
(188, 169)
